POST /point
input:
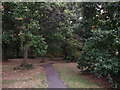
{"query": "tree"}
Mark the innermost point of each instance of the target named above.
(101, 41)
(26, 29)
(7, 27)
(60, 28)
(29, 19)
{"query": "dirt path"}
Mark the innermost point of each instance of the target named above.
(53, 80)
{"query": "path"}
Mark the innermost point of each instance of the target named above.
(53, 80)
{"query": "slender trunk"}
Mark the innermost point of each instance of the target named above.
(64, 52)
(25, 60)
(4, 53)
(13, 53)
(17, 51)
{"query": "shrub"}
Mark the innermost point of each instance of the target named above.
(99, 56)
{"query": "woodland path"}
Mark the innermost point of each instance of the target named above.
(53, 80)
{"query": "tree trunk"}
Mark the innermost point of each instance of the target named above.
(17, 51)
(64, 52)
(25, 60)
(4, 53)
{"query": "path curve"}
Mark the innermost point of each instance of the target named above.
(53, 80)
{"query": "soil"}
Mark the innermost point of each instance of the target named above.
(20, 78)
(9, 74)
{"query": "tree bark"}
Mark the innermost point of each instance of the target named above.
(64, 52)
(4, 53)
(25, 60)
(17, 51)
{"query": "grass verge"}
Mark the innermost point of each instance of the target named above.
(71, 78)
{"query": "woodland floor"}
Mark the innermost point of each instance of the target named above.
(36, 78)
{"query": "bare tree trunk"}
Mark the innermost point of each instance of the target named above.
(17, 51)
(25, 60)
(64, 52)
(4, 53)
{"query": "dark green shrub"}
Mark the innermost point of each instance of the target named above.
(100, 56)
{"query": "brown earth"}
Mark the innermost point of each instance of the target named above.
(35, 78)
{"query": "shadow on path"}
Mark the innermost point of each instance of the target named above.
(53, 80)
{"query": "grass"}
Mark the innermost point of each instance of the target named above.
(8, 81)
(33, 78)
(4, 69)
(71, 78)
(37, 81)
(16, 80)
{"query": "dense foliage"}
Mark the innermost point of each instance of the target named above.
(24, 33)
(34, 27)
(62, 29)
(59, 31)
(101, 47)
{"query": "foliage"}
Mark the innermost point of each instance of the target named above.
(55, 50)
(72, 49)
(8, 38)
(101, 48)
(101, 60)
(59, 31)
(38, 45)
(31, 20)
(25, 29)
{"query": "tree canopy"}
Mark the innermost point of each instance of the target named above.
(88, 33)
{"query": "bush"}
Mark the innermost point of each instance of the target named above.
(99, 56)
